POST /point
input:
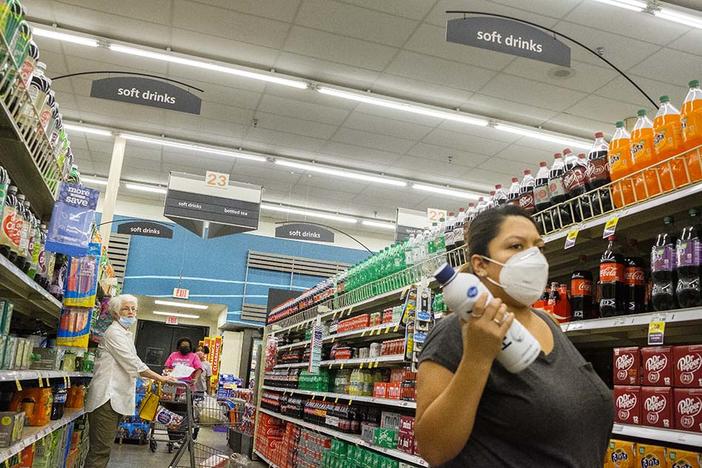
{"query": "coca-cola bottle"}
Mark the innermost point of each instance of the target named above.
(526, 192)
(581, 295)
(611, 281)
(565, 313)
(500, 197)
(597, 174)
(663, 268)
(513, 194)
(542, 200)
(635, 285)
(689, 260)
(557, 193)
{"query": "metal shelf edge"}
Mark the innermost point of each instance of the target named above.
(343, 396)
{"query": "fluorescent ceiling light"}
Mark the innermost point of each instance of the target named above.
(378, 224)
(175, 314)
(310, 213)
(64, 37)
(192, 147)
(84, 129)
(167, 57)
(341, 173)
(447, 191)
(678, 17)
(539, 135)
(93, 180)
(633, 5)
(146, 188)
(402, 106)
(185, 305)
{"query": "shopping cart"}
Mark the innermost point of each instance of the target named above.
(174, 398)
(201, 410)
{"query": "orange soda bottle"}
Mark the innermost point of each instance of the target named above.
(668, 142)
(620, 166)
(643, 155)
(691, 118)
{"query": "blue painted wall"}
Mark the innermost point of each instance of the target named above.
(214, 270)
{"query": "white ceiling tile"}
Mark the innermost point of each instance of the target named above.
(501, 108)
(689, 42)
(296, 126)
(626, 23)
(584, 77)
(348, 20)
(574, 125)
(671, 66)
(268, 140)
(439, 17)
(436, 70)
(621, 90)
(415, 9)
(39, 8)
(426, 169)
(153, 11)
(344, 50)
(395, 128)
(229, 24)
(431, 93)
(308, 190)
(137, 163)
(142, 151)
(465, 142)
(222, 48)
(389, 199)
(531, 92)
(604, 109)
(276, 175)
(373, 140)
(431, 40)
(325, 70)
(282, 10)
(353, 154)
(481, 176)
(295, 108)
(547, 7)
(325, 182)
(216, 111)
(442, 153)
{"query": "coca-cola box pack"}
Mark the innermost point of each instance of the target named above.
(626, 365)
(688, 366)
(657, 365)
(627, 404)
(657, 407)
(688, 409)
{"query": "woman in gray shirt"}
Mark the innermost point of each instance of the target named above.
(471, 412)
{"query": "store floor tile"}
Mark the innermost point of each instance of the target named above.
(132, 455)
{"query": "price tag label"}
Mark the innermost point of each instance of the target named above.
(656, 332)
(571, 238)
(397, 327)
(46, 380)
(336, 400)
(69, 381)
(361, 366)
(341, 366)
(387, 329)
(18, 385)
(610, 226)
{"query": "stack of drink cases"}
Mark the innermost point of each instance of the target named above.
(627, 286)
(627, 454)
(659, 386)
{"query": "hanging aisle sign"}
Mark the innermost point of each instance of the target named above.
(146, 92)
(212, 211)
(409, 222)
(509, 37)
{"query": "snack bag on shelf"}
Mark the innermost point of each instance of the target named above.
(620, 454)
(74, 328)
(684, 459)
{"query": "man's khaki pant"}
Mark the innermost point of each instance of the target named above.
(103, 426)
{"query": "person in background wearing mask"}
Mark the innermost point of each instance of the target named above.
(185, 359)
(473, 412)
(203, 383)
(112, 390)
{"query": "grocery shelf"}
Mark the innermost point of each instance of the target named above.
(352, 438)
(293, 365)
(343, 396)
(33, 374)
(33, 433)
(661, 435)
(299, 344)
(25, 293)
(265, 459)
(375, 330)
(362, 361)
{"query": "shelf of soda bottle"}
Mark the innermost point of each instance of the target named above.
(35, 148)
(27, 295)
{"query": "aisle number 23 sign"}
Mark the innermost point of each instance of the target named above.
(216, 179)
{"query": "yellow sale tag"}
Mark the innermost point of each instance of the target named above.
(571, 238)
(341, 366)
(656, 332)
(69, 381)
(19, 385)
(324, 398)
(350, 401)
(361, 366)
(46, 379)
(364, 332)
(336, 400)
(41, 384)
(387, 329)
(610, 227)
(397, 327)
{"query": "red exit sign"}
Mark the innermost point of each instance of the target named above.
(181, 293)
(171, 320)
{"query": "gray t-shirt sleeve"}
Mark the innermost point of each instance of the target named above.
(444, 344)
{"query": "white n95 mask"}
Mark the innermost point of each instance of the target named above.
(523, 276)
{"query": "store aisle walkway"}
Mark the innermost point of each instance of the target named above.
(132, 456)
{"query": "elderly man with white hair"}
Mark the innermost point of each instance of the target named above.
(112, 390)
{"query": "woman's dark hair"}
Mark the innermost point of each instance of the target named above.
(486, 225)
(204, 349)
(181, 340)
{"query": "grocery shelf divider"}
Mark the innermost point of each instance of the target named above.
(32, 434)
(32, 374)
(343, 396)
(363, 332)
(622, 322)
(24, 292)
(265, 459)
(295, 345)
(658, 434)
(293, 365)
(353, 438)
(350, 362)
